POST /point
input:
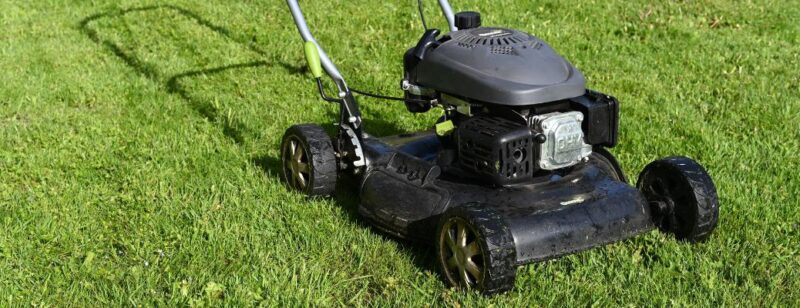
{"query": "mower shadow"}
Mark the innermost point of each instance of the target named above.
(84, 24)
(346, 192)
(231, 127)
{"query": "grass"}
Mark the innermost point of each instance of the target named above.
(138, 151)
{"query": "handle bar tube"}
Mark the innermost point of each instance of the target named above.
(327, 64)
(448, 14)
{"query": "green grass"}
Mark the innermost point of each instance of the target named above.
(138, 151)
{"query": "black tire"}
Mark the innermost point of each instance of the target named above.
(683, 199)
(496, 260)
(309, 160)
(604, 160)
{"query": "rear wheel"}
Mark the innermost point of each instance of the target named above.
(309, 161)
(683, 199)
(475, 250)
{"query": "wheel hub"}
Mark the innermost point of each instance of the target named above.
(462, 254)
(296, 164)
(659, 193)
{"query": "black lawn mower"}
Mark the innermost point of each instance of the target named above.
(515, 171)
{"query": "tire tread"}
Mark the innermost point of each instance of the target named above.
(322, 158)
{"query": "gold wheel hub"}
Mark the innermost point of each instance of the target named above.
(296, 165)
(461, 253)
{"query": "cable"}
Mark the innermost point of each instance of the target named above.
(424, 25)
(422, 15)
(410, 100)
(377, 95)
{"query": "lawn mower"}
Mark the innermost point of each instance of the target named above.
(515, 171)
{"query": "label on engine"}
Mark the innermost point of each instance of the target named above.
(491, 33)
(569, 137)
(564, 145)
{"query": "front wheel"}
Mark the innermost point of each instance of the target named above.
(683, 199)
(309, 161)
(475, 250)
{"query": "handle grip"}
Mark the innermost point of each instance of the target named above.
(312, 57)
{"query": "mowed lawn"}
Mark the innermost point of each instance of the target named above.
(139, 160)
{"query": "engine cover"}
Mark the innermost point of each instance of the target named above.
(564, 145)
(495, 65)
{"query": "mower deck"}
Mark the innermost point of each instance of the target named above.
(404, 192)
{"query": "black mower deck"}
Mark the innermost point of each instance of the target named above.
(548, 217)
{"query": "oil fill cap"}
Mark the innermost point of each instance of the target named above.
(468, 20)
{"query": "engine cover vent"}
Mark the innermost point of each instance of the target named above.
(465, 45)
(491, 37)
(503, 50)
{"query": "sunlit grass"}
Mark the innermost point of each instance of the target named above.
(138, 151)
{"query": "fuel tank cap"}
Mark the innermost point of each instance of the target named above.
(468, 20)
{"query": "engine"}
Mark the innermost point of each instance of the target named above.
(509, 146)
(519, 109)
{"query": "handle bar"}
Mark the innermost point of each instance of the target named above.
(327, 64)
(448, 14)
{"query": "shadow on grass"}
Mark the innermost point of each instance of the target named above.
(231, 127)
(84, 24)
(347, 196)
